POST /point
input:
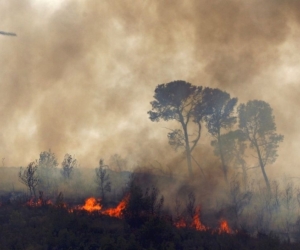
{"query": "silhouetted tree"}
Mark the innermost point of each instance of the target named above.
(142, 205)
(47, 166)
(177, 101)
(68, 165)
(102, 179)
(233, 147)
(220, 108)
(258, 124)
(29, 177)
(191, 204)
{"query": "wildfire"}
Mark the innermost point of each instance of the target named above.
(117, 212)
(91, 205)
(224, 227)
(196, 223)
(38, 203)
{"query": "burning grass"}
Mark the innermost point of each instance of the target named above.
(93, 205)
(199, 226)
(91, 225)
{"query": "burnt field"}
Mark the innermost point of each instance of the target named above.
(142, 213)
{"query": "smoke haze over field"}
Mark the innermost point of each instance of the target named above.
(79, 77)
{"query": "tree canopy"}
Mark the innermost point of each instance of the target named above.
(191, 106)
(219, 108)
(257, 122)
(177, 101)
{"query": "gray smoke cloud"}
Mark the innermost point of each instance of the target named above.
(79, 78)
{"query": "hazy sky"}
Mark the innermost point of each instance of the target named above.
(79, 76)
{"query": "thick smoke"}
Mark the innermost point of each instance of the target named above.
(79, 78)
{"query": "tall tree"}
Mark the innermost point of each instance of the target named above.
(258, 124)
(177, 101)
(29, 177)
(220, 108)
(233, 148)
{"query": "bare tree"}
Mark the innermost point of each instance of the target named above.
(102, 179)
(29, 177)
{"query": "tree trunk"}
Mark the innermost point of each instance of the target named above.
(34, 193)
(263, 168)
(224, 167)
(245, 176)
(188, 150)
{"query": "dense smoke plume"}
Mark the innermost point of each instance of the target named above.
(79, 77)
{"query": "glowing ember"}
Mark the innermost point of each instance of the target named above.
(33, 203)
(30, 203)
(224, 228)
(117, 212)
(38, 203)
(180, 223)
(196, 221)
(49, 202)
(91, 205)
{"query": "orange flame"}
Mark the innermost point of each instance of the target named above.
(224, 227)
(91, 205)
(117, 212)
(196, 223)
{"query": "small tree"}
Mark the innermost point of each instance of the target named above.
(143, 204)
(47, 166)
(258, 124)
(68, 165)
(102, 179)
(29, 177)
